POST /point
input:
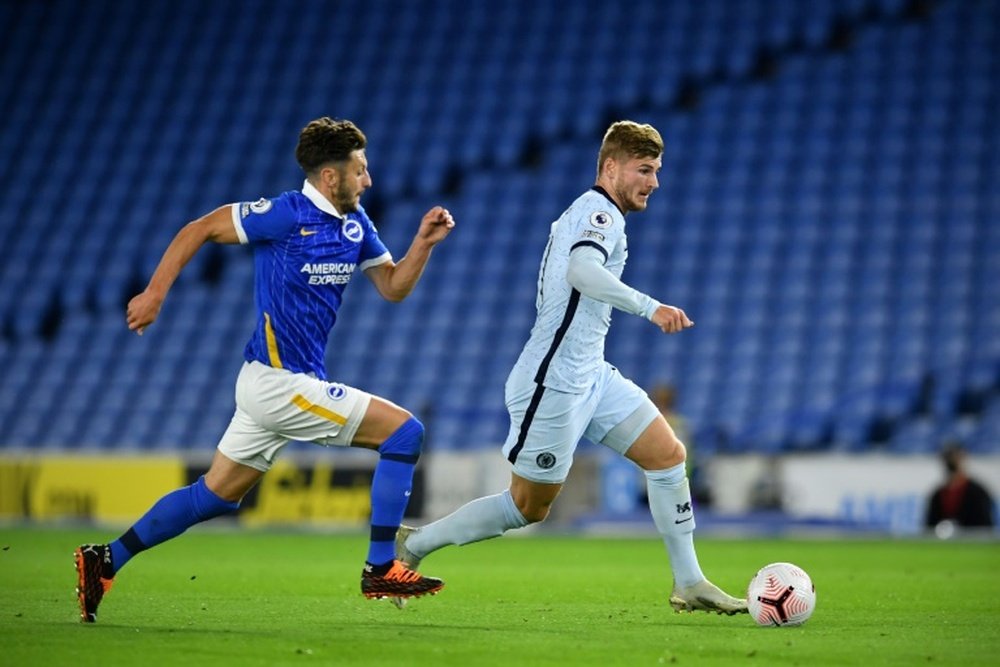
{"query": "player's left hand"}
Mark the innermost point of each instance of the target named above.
(436, 224)
(671, 319)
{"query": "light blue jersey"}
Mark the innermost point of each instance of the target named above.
(305, 253)
(566, 348)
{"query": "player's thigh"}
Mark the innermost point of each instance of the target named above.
(295, 406)
(657, 448)
(245, 442)
(381, 419)
(545, 427)
(628, 422)
(229, 479)
(622, 412)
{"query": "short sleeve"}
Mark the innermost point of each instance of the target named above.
(373, 250)
(600, 228)
(263, 220)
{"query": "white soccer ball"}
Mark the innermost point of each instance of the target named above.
(781, 594)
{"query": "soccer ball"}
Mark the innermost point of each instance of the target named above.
(781, 594)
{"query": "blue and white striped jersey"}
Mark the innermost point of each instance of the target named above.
(566, 346)
(305, 253)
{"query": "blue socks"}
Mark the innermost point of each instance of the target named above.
(179, 510)
(169, 517)
(391, 487)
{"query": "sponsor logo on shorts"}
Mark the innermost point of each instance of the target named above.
(545, 460)
(336, 391)
(262, 205)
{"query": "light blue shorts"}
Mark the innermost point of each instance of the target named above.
(546, 425)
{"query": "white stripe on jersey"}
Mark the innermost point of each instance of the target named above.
(374, 261)
(238, 224)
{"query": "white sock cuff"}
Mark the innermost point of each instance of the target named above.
(668, 477)
(670, 500)
(511, 514)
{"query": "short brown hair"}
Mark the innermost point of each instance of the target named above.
(326, 140)
(626, 139)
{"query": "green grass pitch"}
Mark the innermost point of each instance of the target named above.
(264, 598)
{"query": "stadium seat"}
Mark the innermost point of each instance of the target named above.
(826, 210)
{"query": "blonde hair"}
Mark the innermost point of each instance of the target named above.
(626, 139)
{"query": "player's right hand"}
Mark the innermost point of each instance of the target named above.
(142, 311)
(436, 224)
(671, 319)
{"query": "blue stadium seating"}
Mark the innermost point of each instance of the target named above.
(828, 210)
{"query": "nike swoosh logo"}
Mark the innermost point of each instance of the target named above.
(305, 232)
(683, 520)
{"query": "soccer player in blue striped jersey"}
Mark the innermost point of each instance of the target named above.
(561, 389)
(307, 246)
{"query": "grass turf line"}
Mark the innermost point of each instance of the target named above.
(263, 598)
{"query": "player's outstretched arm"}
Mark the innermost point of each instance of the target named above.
(395, 280)
(217, 227)
(586, 273)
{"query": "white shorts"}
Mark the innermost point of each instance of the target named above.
(274, 406)
(546, 425)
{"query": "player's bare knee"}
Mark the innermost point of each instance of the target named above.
(531, 508)
(381, 421)
(532, 499)
(230, 490)
(665, 452)
(678, 452)
(405, 443)
(397, 418)
(534, 513)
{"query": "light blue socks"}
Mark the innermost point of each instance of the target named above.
(670, 504)
(481, 519)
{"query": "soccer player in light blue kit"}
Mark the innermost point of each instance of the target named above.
(307, 245)
(561, 388)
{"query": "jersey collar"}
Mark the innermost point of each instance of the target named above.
(321, 202)
(600, 190)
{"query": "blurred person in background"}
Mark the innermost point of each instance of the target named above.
(562, 389)
(768, 490)
(664, 397)
(307, 245)
(961, 501)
